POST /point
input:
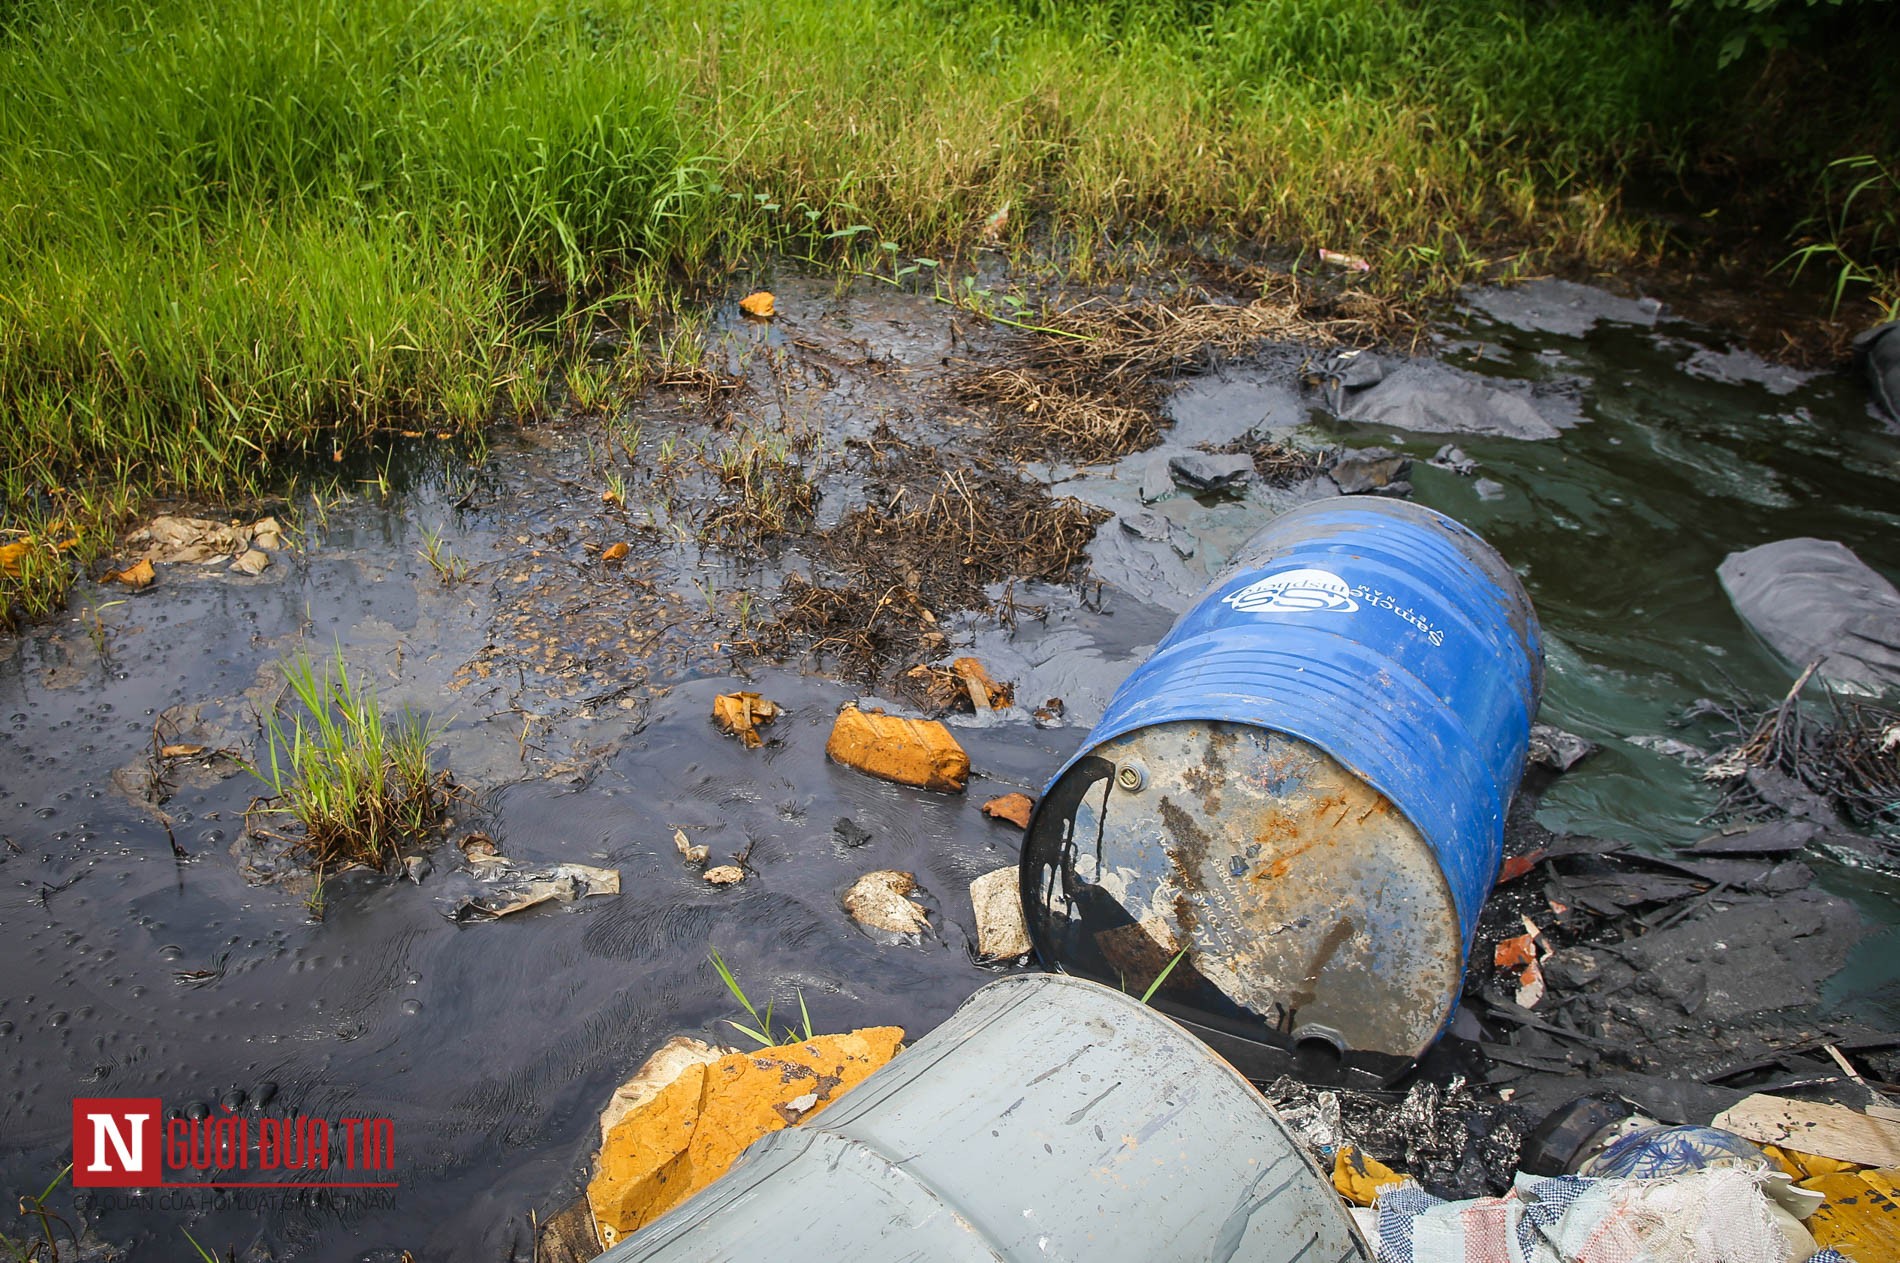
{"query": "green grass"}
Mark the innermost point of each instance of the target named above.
(760, 1032)
(357, 785)
(240, 236)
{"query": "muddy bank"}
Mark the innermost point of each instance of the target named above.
(575, 689)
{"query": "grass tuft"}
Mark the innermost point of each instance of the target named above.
(358, 786)
(760, 1032)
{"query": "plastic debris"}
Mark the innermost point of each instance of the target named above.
(1001, 933)
(725, 875)
(1360, 1178)
(759, 304)
(1351, 262)
(740, 714)
(1861, 1214)
(1203, 472)
(877, 900)
(1559, 751)
(1015, 808)
(254, 561)
(167, 539)
(985, 693)
(850, 832)
(138, 576)
(964, 685)
(694, 855)
(616, 551)
(1714, 1215)
(1516, 866)
(1377, 471)
(502, 890)
(918, 752)
(668, 1062)
(1524, 954)
(1814, 600)
(684, 1129)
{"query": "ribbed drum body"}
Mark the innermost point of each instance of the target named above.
(1302, 792)
(1049, 1118)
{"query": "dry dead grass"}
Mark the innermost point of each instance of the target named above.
(1085, 384)
(935, 542)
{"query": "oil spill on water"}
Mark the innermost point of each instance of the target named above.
(575, 696)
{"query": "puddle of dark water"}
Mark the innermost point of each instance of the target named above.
(575, 697)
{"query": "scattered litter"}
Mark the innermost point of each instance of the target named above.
(1015, 808)
(850, 832)
(502, 890)
(1861, 1215)
(918, 752)
(1360, 1178)
(138, 576)
(616, 551)
(1446, 1136)
(1001, 933)
(1371, 471)
(13, 555)
(985, 693)
(666, 1064)
(1515, 866)
(1204, 472)
(1776, 838)
(725, 875)
(759, 304)
(1351, 262)
(416, 867)
(1831, 1131)
(1523, 955)
(1559, 751)
(1453, 459)
(479, 848)
(253, 562)
(180, 751)
(169, 540)
(1715, 1215)
(740, 714)
(1427, 397)
(1049, 714)
(877, 900)
(694, 855)
(996, 224)
(684, 1118)
(1814, 600)
(964, 685)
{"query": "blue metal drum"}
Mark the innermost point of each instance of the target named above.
(1296, 805)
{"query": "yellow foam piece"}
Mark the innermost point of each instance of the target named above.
(687, 1134)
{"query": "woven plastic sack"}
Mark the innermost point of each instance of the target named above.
(1719, 1215)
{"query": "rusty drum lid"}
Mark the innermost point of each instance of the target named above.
(1296, 904)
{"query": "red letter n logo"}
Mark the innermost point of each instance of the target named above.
(115, 1142)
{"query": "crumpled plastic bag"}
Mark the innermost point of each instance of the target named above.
(1714, 1215)
(503, 890)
